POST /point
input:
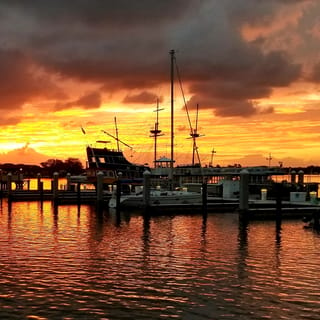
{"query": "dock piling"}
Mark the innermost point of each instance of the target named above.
(300, 177)
(100, 187)
(279, 191)
(68, 181)
(9, 184)
(79, 193)
(293, 176)
(38, 180)
(40, 189)
(118, 194)
(244, 191)
(55, 186)
(146, 188)
(204, 196)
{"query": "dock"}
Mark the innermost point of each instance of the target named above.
(263, 210)
(62, 196)
(15, 188)
(72, 193)
(257, 209)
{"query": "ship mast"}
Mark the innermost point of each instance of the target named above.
(172, 54)
(117, 134)
(155, 133)
(116, 137)
(193, 132)
(194, 135)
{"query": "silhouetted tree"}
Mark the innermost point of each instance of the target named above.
(71, 165)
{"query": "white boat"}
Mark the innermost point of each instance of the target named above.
(156, 198)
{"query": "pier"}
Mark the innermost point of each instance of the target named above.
(15, 188)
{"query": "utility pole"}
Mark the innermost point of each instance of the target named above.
(212, 154)
(269, 159)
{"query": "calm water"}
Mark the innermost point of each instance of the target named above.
(72, 263)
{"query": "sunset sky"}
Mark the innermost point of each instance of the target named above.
(252, 66)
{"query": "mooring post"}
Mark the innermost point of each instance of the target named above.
(9, 184)
(146, 188)
(38, 180)
(293, 176)
(244, 193)
(279, 191)
(78, 193)
(40, 189)
(55, 186)
(68, 181)
(204, 196)
(100, 187)
(300, 177)
(118, 194)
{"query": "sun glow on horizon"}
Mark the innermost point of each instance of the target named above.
(5, 147)
(245, 140)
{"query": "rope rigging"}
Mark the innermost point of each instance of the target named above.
(193, 132)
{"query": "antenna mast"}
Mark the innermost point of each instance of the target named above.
(155, 133)
(269, 159)
(117, 136)
(212, 154)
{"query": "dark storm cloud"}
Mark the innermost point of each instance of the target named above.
(144, 97)
(21, 81)
(117, 13)
(315, 73)
(230, 92)
(124, 45)
(91, 100)
(224, 107)
(7, 120)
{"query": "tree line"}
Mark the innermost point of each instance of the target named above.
(46, 168)
(75, 167)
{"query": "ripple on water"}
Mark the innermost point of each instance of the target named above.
(82, 266)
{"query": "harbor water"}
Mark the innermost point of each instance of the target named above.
(72, 262)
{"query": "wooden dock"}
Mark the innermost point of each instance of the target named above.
(245, 207)
(258, 210)
(82, 197)
(60, 197)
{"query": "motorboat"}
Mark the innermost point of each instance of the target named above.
(156, 197)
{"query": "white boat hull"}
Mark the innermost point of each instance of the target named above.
(157, 198)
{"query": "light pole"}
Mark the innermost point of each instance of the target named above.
(269, 159)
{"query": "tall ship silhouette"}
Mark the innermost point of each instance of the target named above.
(112, 162)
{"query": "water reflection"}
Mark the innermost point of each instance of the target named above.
(146, 238)
(93, 264)
(204, 227)
(278, 232)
